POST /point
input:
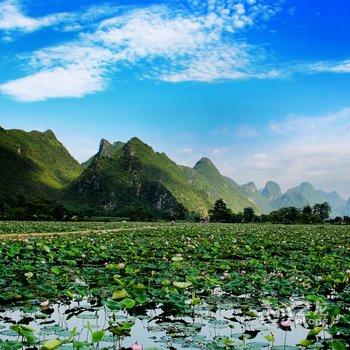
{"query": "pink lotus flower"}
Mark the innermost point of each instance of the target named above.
(44, 303)
(136, 346)
(286, 324)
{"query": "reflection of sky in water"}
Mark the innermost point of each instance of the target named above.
(203, 328)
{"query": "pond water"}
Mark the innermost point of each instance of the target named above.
(154, 330)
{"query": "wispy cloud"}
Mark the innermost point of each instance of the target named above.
(329, 67)
(180, 41)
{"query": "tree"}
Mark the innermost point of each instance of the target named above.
(220, 212)
(338, 220)
(307, 210)
(323, 210)
(248, 215)
(59, 213)
(307, 216)
(347, 220)
(202, 214)
(287, 215)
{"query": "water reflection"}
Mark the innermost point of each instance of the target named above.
(155, 330)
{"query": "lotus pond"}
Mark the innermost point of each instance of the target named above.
(176, 287)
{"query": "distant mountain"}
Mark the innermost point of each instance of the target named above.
(272, 190)
(333, 198)
(346, 210)
(136, 175)
(257, 197)
(299, 196)
(306, 194)
(34, 164)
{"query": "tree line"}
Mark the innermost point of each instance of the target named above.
(22, 208)
(318, 213)
(41, 209)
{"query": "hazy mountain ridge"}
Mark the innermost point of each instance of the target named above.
(306, 194)
(124, 175)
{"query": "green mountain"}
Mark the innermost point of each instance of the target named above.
(136, 175)
(206, 178)
(106, 149)
(34, 164)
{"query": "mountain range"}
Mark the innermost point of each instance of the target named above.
(123, 176)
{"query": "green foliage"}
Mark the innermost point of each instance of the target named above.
(176, 268)
(248, 215)
(323, 210)
(220, 212)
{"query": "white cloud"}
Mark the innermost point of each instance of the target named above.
(151, 32)
(12, 18)
(210, 64)
(166, 43)
(70, 81)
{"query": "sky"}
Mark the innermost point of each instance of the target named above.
(261, 87)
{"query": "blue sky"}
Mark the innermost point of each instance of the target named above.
(261, 87)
